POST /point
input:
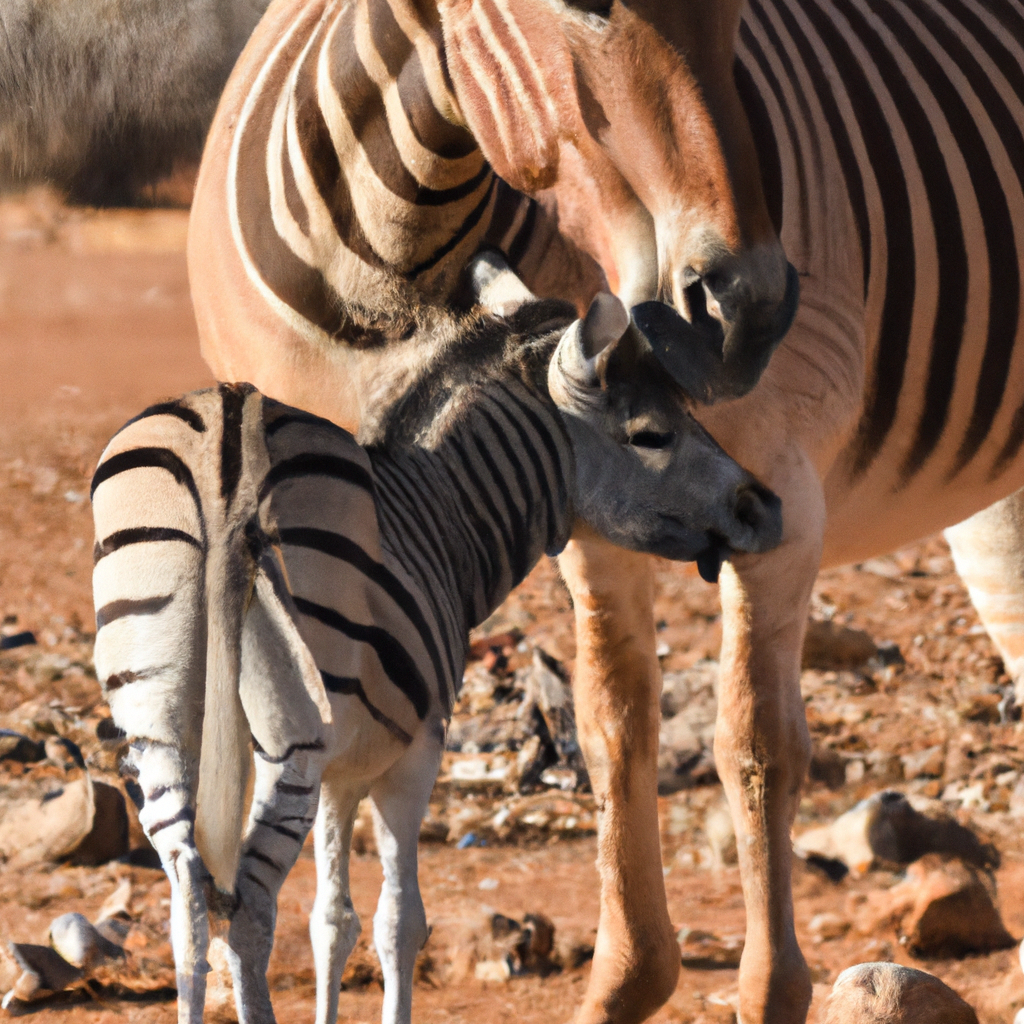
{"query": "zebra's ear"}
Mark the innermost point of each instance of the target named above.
(495, 285)
(587, 348)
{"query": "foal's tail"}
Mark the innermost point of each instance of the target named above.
(224, 758)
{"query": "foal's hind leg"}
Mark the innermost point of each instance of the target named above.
(283, 809)
(400, 799)
(168, 819)
(988, 550)
(333, 925)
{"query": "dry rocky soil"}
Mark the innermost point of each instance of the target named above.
(95, 323)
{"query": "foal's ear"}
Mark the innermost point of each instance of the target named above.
(495, 285)
(604, 340)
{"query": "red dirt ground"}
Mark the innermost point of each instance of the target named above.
(95, 323)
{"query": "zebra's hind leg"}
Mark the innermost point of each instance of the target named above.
(334, 925)
(400, 931)
(988, 550)
(166, 778)
(283, 810)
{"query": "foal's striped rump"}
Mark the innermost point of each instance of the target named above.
(295, 497)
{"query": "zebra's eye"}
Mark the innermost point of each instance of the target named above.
(651, 439)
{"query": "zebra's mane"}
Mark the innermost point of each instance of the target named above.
(485, 349)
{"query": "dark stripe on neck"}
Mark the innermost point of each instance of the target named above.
(476, 489)
(467, 226)
(518, 246)
(528, 446)
(232, 398)
(338, 546)
(542, 431)
(316, 464)
(293, 281)
(431, 130)
(519, 552)
(354, 688)
(363, 105)
(131, 606)
(399, 667)
(141, 535)
(886, 382)
(789, 72)
(848, 163)
(764, 138)
(292, 417)
(320, 155)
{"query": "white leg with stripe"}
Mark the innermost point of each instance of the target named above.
(400, 801)
(283, 809)
(168, 819)
(334, 925)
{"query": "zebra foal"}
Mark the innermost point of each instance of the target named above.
(259, 572)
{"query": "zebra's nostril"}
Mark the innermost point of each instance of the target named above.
(748, 509)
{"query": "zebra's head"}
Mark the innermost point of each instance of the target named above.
(624, 118)
(648, 476)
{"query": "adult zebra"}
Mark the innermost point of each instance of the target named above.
(364, 149)
(889, 139)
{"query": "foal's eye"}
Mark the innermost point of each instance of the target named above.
(651, 439)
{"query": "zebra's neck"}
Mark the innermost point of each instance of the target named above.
(370, 172)
(488, 496)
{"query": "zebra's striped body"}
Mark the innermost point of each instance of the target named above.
(258, 571)
(891, 141)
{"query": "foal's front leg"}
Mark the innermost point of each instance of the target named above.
(283, 809)
(400, 800)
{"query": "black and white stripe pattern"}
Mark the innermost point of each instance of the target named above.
(913, 111)
(351, 174)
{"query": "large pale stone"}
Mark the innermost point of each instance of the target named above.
(884, 993)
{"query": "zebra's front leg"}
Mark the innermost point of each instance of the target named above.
(283, 809)
(400, 800)
(616, 687)
(334, 925)
(167, 780)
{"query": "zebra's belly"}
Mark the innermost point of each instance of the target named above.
(874, 514)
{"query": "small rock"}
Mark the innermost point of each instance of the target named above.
(703, 951)
(47, 829)
(80, 944)
(928, 763)
(493, 970)
(44, 971)
(721, 836)
(886, 993)
(827, 766)
(107, 840)
(829, 647)
(826, 926)
(689, 707)
(887, 827)
(954, 910)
